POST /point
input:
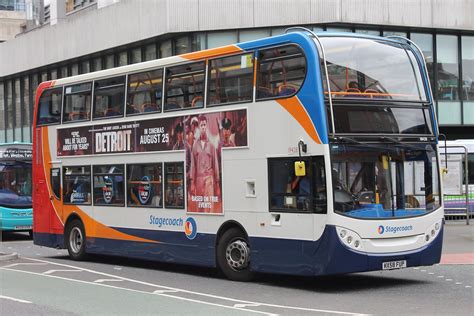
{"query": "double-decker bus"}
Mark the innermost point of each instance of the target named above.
(288, 154)
(16, 212)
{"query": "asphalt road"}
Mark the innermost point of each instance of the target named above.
(43, 281)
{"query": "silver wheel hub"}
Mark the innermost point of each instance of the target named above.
(238, 254)
(76, 239)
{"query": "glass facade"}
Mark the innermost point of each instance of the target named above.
(449, 58)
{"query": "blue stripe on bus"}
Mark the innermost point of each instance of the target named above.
(270, 255)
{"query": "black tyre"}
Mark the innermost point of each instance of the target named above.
(75, 238)
(233, 255)
(30, 233)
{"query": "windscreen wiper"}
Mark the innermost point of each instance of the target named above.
(353, 141)
(399, 143)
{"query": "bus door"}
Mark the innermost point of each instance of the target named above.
(55, 194)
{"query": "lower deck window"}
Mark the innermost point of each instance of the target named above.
(289, 192)
(109, 185)
(174, 185)
(144, 185)
(77, 185)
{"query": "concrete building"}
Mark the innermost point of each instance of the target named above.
(79, 36)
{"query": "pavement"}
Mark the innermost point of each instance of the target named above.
(458, 243)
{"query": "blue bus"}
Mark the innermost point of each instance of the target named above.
(16, 212)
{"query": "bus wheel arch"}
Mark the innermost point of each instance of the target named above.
(75, 237)
(233, 252)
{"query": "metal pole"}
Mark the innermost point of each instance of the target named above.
(466, 176)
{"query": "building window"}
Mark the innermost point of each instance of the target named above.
(289, 192)
(109, 95)
(281, 72)
(250, 35)
(144, 185)
(97, 64)
(198, 42)
(144, 92)
(109, 62)
(182, 45)
(467, 53)
(26, 110)
(122, 59)
(77, 102)
(216, 39)
(77, 185)
(449, 112)
(425, 42)
(150, 52)
(74, 69)
(85, 67)
(185, 86)
(447, 67)
(49, 111)
(174, 185)
(136, 55)
(166, 49)
(2, 113)
(230, 79)
(18, 109)
(109, 185)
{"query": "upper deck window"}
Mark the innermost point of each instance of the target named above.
(281, 72)
(230, 79)
(372, 69)
(144, 92)
(109, 96)
(185, 86)
(77, 102)
(49, 111)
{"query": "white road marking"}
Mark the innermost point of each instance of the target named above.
(449, 279)
(430, 273)
(107, 280)
(15, 299)
(246, 305)
(199, 293)
(25, 264)
(468, 286)
(61, 270)
(164, 291)
(440, 276)
(136, 291)
(458, 283)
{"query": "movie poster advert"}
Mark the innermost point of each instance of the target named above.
(74, 141)
(206, 136)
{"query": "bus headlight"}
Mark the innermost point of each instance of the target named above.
(433, 231)
(349, 238)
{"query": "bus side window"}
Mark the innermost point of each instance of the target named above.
(281, 72)
(144, 92)
(77, 102)
(56, 182)
(144, 185)
(109, 96)
(185, 86)
(77, 185)
(289, 192)
(174, 185)
(49, 111)
(109, 185)
(230, 79)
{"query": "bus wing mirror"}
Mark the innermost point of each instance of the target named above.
(300, 169)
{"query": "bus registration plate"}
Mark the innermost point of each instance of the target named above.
(390, 265)
(23, 227)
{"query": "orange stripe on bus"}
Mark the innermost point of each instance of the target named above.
(296, 109)
(93, 227)
(213, 52)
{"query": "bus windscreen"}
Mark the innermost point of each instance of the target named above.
(372, 69)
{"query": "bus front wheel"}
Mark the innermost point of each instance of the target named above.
(233, 255)
(76, 240)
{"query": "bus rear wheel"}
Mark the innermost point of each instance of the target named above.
(76, 240)
(233, 256)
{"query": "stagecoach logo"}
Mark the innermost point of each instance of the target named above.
(394, 229)
(190, 228)
(144, 189)
(381, 229)
(108, 190)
